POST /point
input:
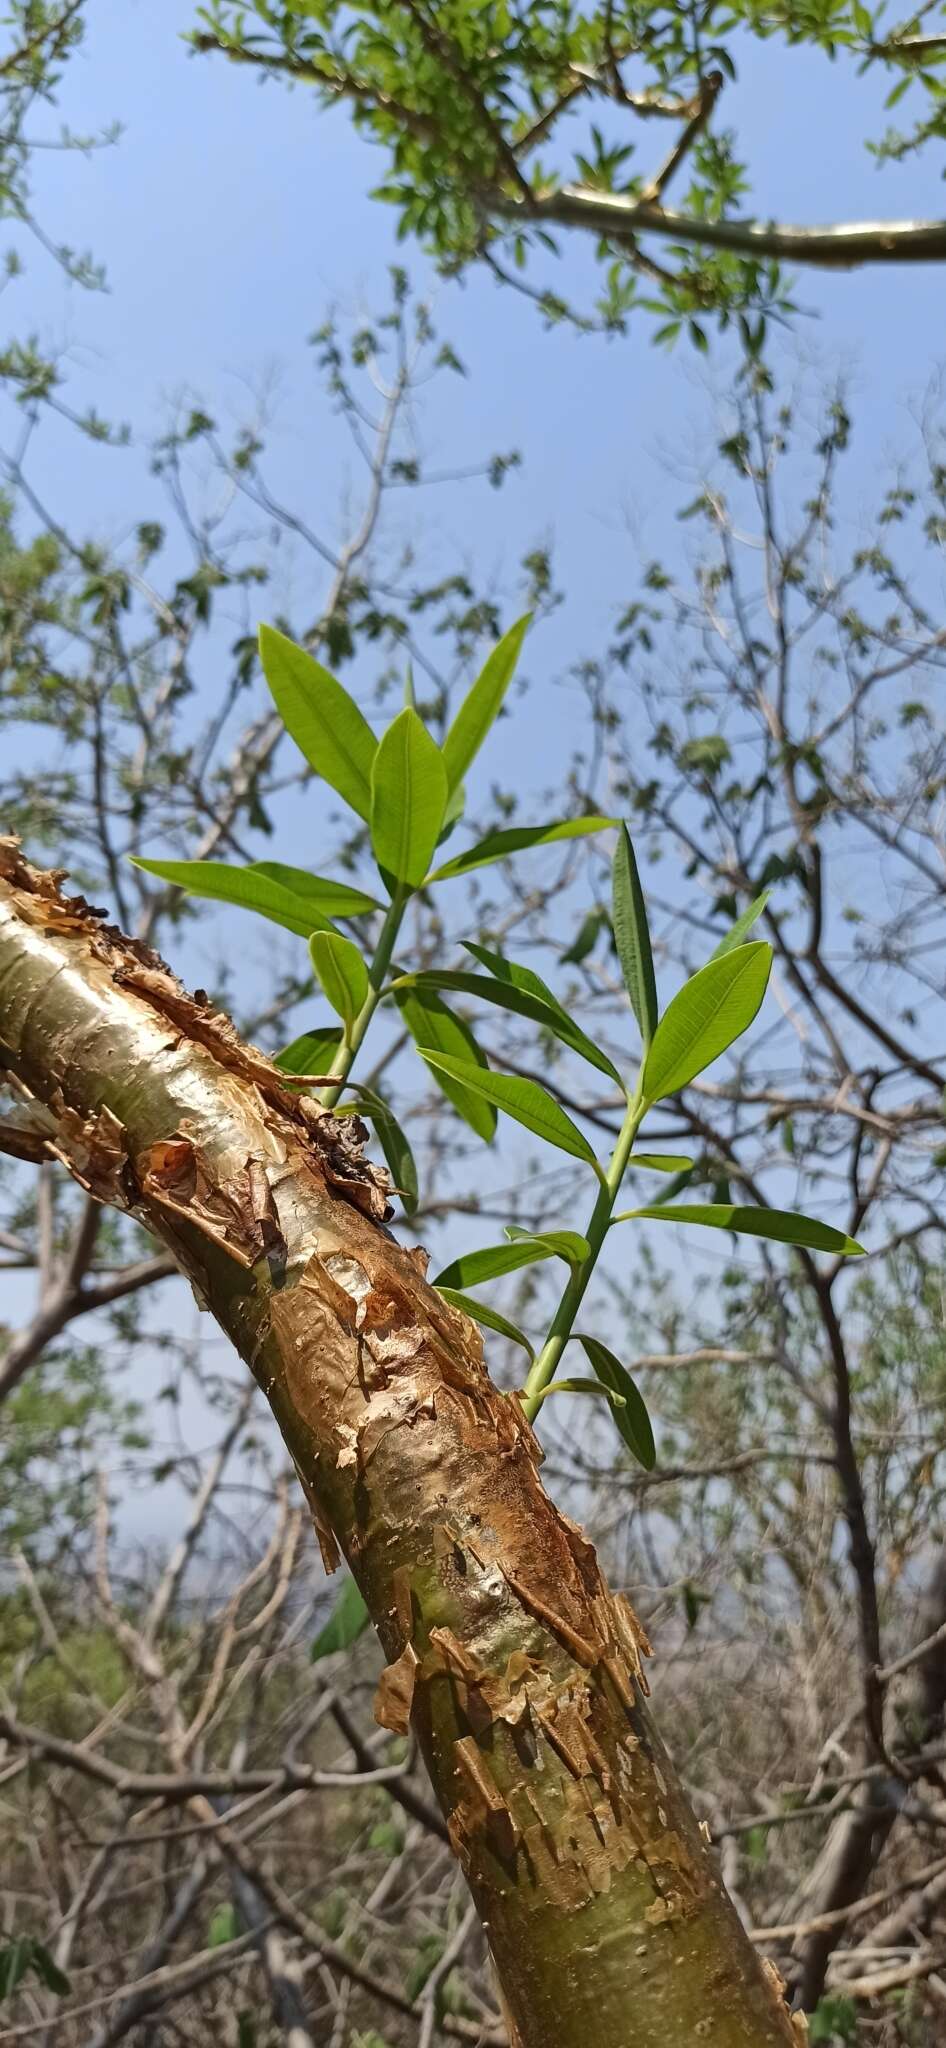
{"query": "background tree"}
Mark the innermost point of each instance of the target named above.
(503, 125)
(736, 1546)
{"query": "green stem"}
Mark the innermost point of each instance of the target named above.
(351, 1041)
(563, 1321)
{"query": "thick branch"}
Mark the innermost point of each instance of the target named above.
(516, 1667)
(841, 247)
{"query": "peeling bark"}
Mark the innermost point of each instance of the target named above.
(518, 1669)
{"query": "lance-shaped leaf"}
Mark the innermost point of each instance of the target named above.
(507, 996)
(565, 1244)
(312, 1053)
(456, 805)
(489, 1318)
(348, 1620)
(433, 1027)
(321, 717)
(399, 1158)
(586, 938)
(661, 1162)
(632, 937)
(342, 974)
(493, 1260)
(710, 1011)
(529, 1104)
(333, 899)
(739, 931)
(516, 839)
(515, 976)
(408, 799)
(26, 1953)
(249, 888)
(781, 1226)
(631, 1416)
(482, 703)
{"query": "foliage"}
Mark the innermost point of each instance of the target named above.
(503, 126)
(399, 782)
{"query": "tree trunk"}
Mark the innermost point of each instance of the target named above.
(519, 1670)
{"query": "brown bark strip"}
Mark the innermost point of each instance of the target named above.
(518, 1668)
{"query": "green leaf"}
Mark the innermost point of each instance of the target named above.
(348, 1620)
(472, 1268)
(321, 717)
(737, 932)
(481, 705)
(490, 1318)
(632, 936)
(24, 1954)
(516, 839)
(632, 1418)
(434, 1027)
(342, 974)
(408, 799)
(15, 1960)
(661, 1162)
(48, 1971)
(565, 1244)
(524, 1100)
(456, 805)
(223, 1926)
(715, 1007)
(514, 976)
(586, 938)
(397, 1153)
(507, 996)
(250, 888)
(313, 1053)
(779, 1225)
(333, 899)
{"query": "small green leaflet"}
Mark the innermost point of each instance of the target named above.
(632, 936)
(516, 839)
(223, 1925)
(524, 1100)
(25, 1954)
(495, 1259)
(348, 1620)
(333, 899)
(408, 799)
(586, 938)
(661, 1162)
(250, 888)
(566, 1244)
(321, 717)
(779, 1225)
(342, 974)
(399, 1158)
(508, 996)
(524, 978)
(490, 1318)
(737, 932)
(711, 1010)
(481, 705)
(632, 1418)
(433, 1027)
(456, 805)
(313, 1053)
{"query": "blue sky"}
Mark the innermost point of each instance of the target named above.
(229, 216)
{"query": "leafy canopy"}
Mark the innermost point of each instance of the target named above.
(503, 124)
